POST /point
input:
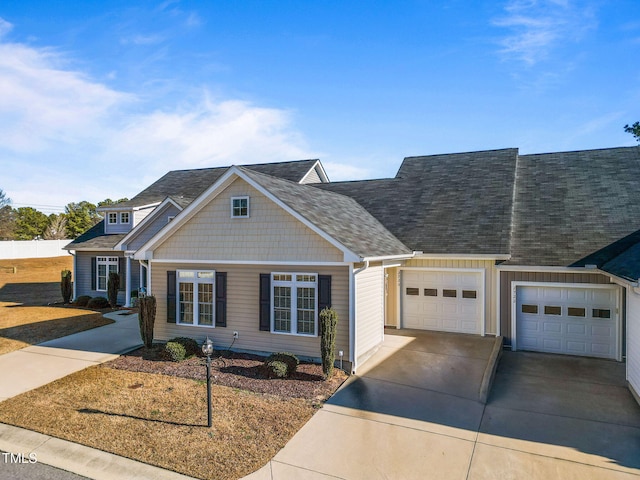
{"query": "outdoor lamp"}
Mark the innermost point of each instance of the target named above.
(207, 349)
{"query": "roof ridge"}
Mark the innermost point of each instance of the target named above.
(462, 153)
(582, 151)
(244, 165)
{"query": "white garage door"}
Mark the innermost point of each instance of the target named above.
(449, 301)
(569, 320)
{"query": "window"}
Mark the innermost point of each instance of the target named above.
(295, 303)
(576, 312)
(529, 309)
(469, 294)
(601, 313)
(239, 207)
(170, 217)
(549, 310)
(430, 292)
(196, 297)
(124, 217)
(413, 291)
(449, 293)
(113, 218)
(105, 266)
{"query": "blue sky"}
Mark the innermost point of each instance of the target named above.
(99, 99)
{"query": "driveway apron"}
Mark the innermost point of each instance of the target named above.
(34, 366)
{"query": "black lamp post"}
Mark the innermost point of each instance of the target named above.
(207, 349)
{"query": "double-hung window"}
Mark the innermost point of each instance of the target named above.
(294, 297)
(196, 297)
(105, 266)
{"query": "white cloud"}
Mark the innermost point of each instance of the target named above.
(341, 171)
(537, 27)
(65, 137)
(5, 27)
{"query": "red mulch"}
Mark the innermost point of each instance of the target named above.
(237, 370)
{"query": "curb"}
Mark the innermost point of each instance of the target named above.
(490, 370)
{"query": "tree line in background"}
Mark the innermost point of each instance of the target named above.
(27, 223)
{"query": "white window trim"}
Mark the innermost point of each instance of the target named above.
(293, 283)
(107, 261)
(115, 214)
(241, 197)
(128, 214)
(196, 281)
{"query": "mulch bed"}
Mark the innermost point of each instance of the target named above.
(237, 370)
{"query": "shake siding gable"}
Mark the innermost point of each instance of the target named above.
(269, 234)
(243, 309)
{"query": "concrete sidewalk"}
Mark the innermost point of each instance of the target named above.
(34, 366)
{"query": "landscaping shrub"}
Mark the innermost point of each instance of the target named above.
(277, 369)
(328, 323)
(290, 361)
(98, 303)
(65, 286)
(147, 319)
(113, 285)
(82, 300)
(191, 347)
(175, 351)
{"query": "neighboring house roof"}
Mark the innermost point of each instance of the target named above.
(444, 204)
(339, 216)
(95, 239)
(569, 205)
(184, 186)
(626, 265)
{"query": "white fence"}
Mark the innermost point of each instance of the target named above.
(33, 248)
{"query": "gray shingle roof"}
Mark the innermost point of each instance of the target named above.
(444, 204)
(184, 186)
(339, 216)
(570, 205)
(95, 239)
(626, 265)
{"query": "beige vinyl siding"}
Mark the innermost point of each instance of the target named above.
(269, 234)
(507, 276)
(491, 312)
(369, 311)
(243, 309)
(312, 177)
(392, 303)
(633, 341)
(153, 226)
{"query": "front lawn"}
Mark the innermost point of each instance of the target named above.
(158, 418)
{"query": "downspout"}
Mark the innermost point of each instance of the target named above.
(352, 326)
(75, 293)
(127, 290)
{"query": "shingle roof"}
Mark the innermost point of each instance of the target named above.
(339, 216)
(184, 186)
(95, 239)
(626, 265)
(444, 204)
(570, 205)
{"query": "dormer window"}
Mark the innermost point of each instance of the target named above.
(240, 207)
(124, 217)
(113, 218)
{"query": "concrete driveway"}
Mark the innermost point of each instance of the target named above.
(414, 411)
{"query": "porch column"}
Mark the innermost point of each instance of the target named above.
(127, 291)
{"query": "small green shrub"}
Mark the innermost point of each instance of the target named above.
(289, 359)
(328, 326)
(175, 351)
(82, 300)
(113, 285)
(191, 347)
(66, 287)
(277, 369)
(98, 303)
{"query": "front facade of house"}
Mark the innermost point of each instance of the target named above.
(527, 247)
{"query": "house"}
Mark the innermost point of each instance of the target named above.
(543, 250)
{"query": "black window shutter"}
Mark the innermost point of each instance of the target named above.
(221, 299)
(122, 266)
(171, 296)
(94, 268)
(324, 292)
(265, 302)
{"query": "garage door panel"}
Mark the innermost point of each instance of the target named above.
(581, 328)
(432, 310)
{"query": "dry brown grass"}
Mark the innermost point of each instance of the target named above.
(24, 317)
(161, 420)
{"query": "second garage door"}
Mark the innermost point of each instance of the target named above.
(570, 320)
(449, 301)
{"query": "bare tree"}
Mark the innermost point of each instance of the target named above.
(56, 230)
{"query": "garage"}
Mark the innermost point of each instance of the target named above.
(442, 300)
(573, 320)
